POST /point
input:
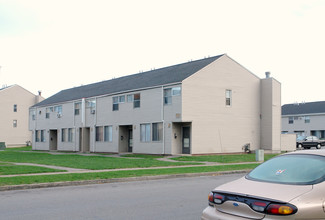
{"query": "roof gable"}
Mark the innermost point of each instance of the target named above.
(158, 77)
(303, 108)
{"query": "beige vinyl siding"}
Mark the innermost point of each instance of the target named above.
(216, 127)
(15, 95)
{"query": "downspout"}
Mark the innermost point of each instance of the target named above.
(94, 141)
(162, 117)
(83, 112)
(83, 122)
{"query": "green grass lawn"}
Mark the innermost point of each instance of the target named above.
(82, 162)
(11, 169)
(27, 148)
(119, 174)
(100, 161)
(229, 158)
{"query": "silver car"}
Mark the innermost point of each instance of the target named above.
(289, 186)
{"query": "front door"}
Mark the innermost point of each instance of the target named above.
(53, 140)
(186, 143)
(130, 141)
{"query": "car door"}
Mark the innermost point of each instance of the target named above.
(308, 141)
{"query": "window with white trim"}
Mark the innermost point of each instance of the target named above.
(145, 132)
(228, 97)
(169, 93)
(157, 131)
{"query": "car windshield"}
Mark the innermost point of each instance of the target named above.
(297, 169)
(300, 138)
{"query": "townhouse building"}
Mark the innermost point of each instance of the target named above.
(212, 105)
(14, 114)
(304, 119)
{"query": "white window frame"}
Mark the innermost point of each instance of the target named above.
(228, 97)
(145, 132)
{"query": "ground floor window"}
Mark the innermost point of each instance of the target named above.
(145, 132)
(319, 133)
(67, 135)
(157, 131)
(39, 136)
(108, 133)
(104, 133)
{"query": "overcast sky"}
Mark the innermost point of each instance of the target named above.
(54, 45)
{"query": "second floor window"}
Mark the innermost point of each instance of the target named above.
(169, 93)
(136, 100)
(15, 108)
(58, 110)
(228, 97)
(77, 107)
(115, 103)
(290, 120)
(307, 119)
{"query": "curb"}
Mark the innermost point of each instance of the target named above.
(116, 180)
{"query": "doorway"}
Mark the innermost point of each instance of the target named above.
(125, 138)
(186, 140)
(53, 139)
(84, 139)
(130, 140)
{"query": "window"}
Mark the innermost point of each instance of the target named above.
(108, 136)
(168, 93)
(115, 103)
(136, 100)
(47, 114)
(39, 136)
(129, 98)
(91, 104)
(15, 108)
(77, 107)
(99, 133)
(290, 120)
(145, 132)
(58, 110)
(67, 135)
(167, 96)
(104, 133)
(15, 123)
(157, 131)
(283, 170)
(33, 112)
(176, 91)
(307, 119)
(228, 97)
(121, 99)
(64, 134)
(70, 134)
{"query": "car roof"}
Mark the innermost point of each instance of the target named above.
(320, 152)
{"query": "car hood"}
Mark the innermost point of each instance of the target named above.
(281, 192)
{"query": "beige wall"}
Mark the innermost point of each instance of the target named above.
(288, 142)
(15, 95)
(216, 127)
(270, 115)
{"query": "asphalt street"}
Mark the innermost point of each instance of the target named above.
(180, 198)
